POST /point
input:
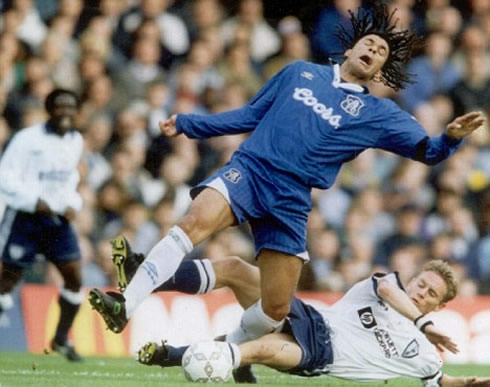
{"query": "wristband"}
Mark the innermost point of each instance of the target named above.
(422, 321)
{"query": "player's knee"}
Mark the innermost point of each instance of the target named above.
(72, 279)
(228, 269)
(263, 353)
(6, 285)
(8, 281)
(275, 310)
(192, 226)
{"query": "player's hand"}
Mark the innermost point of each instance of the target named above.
(169, 127)
(70, 214)
(439, 339)
(43, 208)
(474, 381)
(464, 125)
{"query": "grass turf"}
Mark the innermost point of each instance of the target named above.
(52, 370)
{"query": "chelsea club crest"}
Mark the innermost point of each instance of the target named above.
(352, 105)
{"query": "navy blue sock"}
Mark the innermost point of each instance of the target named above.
(175, 355)
(67, 315)
(192, 277)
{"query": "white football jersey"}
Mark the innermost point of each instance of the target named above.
(371, 341)
(41, 164)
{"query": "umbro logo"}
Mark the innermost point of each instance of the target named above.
(367, 318)
(307, 75)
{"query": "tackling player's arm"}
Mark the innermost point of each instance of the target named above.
(457, 381)
(399, 300)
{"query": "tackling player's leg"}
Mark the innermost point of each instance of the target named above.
(275, 350)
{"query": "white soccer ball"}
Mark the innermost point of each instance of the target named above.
(208, 362)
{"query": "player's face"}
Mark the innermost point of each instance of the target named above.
(368, 56)
(63, 113)
(427, 291)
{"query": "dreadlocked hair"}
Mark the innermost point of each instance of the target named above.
(377, 20)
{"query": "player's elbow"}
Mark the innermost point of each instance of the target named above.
(384, 288)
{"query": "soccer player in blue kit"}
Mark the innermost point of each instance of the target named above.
(305, 123)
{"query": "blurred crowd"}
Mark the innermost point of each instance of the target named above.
(135, 62)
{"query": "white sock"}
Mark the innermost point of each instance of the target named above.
(254, 324)
(6, 301)
(74, 298)
(207, 275)
(160, 264)
(236, 355)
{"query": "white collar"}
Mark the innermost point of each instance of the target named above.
(337, 82)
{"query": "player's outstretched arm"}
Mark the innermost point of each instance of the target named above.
(465, 125)
(440, 339)
(455, 381)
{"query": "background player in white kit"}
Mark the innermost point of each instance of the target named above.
(377, 331)
(38, 182)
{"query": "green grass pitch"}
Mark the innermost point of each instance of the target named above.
(52, 370)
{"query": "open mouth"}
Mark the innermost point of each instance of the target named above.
(366, 60)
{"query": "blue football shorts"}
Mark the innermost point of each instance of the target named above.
(24, 235)
(277, 217)
(307, 326)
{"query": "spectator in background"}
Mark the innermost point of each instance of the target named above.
(96, 40)
(175, 171)
(324, 38)
(324, 247)
(237, 68)
(205, 15)
(472, 41)
(98, 99)
(473, 90)
(446, 20)
(199, 74)
(264, 40)
(408, 233)
(97, 135)
(10, 59)
(36, 70)
(142, 70)
(38, 182)
(173, 32)
(63, 69)
(433, 73)
(155, 106)
(30, 28)
(294, 46)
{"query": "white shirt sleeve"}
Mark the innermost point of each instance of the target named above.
(15, 190)
(433, 381)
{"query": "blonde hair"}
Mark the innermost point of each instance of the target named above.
(445, 271)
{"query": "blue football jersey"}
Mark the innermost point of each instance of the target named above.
(306, 122)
